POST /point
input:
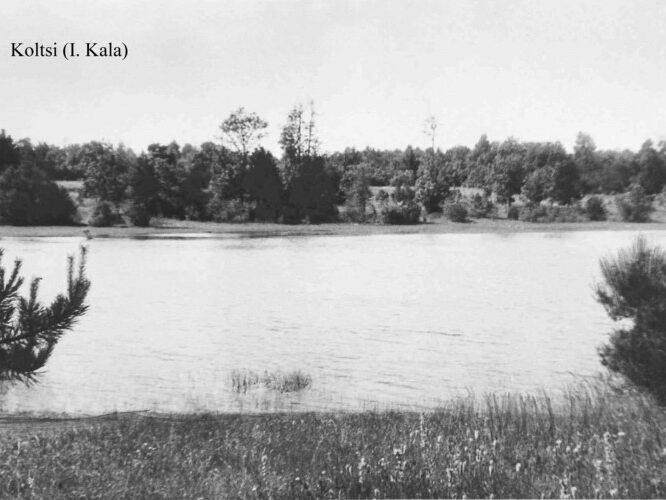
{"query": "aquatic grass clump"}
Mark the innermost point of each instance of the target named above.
(293, 381)
(243, 380)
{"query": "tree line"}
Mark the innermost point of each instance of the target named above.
(236, 180)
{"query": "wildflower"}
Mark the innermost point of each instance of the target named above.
(613, 492)
(476, 435)
(518, 466)
(573, 491)
(621, 434)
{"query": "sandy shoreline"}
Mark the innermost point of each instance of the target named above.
(167, 227)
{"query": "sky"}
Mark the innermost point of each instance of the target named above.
(375, 70)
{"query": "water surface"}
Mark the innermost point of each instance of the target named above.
(377, 321)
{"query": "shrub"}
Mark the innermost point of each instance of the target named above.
(456, 211)
(513, 213)
(27, 198)
(139, 215)
(634, 206)
(481, 207)
(382, 196)
(595, 209)
(104, 215)
(634, 288)
(233, 210)
(28, 330)
(407, 212)
(550, 213)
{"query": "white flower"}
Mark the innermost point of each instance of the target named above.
(518, 466)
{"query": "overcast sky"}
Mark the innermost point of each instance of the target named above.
(535, 70)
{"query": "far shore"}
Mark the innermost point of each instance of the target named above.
(435, 225)
(165, 227)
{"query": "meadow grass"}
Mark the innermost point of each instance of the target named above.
(594, 443)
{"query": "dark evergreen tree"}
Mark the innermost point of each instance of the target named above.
(10, 154)
(29, 330)
(143, 192)
(262, 185)
(29, 198)
(634, 288)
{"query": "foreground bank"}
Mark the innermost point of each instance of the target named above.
(598, 444)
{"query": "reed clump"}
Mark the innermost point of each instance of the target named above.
(293, 381)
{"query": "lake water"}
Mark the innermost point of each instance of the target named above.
(381, 321)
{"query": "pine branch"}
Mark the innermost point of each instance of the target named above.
(28, 330)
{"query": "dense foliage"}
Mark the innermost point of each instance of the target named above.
(29, 330)
(239, 181)
(27, 195)
(634, 288)
(635, 205)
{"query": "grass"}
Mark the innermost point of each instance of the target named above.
(595, 444)
(244, 380)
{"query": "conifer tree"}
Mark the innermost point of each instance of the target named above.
(29, 330)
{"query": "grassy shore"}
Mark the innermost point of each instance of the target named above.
(435, 225)
(597, 444)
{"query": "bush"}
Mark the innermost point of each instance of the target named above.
(105, 215)
(233, 210)
(513, 213)
(595, 209)
(27, 198)
(139, 215)
(634, 206)
(480, 207)
(456, 211)
(408, 212)
(550, 213)
(635, 288)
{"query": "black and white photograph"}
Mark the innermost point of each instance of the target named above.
(332, 249)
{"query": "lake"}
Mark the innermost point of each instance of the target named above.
(380, 321)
